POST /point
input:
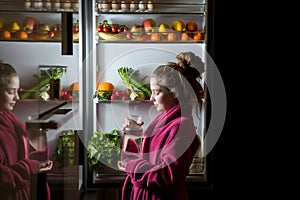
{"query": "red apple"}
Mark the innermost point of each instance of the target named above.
(136, 30)
(149, 25)
(29, 23)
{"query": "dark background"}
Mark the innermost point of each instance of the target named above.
(235, 162)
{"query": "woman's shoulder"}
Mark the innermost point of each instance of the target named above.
(8, 115)
(9, 119)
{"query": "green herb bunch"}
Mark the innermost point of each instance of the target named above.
(65, 151)
(130, 78)
(103, 148)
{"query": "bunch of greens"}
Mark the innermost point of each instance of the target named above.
(103, 147)
(44, 81)
(103, 95)
(54, 72)
(129, 77)
(65, 151)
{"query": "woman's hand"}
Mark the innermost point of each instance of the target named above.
(121, 165)
(132, 124)
(46, 166)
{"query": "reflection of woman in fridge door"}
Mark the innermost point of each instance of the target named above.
(17, 170)
(170, 141)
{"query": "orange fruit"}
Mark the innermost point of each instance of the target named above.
(74, 86)
(185, 36)
(191, 26)
(5, 34)
(172, 37)
(37, 36)
(22, 35)
(105, 86)
(156, 37)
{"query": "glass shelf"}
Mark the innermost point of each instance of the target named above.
(124, 101)
(28, 6)
(158, 8)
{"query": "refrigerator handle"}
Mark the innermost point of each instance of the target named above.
(67, 33)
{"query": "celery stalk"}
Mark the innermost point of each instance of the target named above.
(42, 83)
(129, 77)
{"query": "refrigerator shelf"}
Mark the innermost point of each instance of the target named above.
(155, 8)
(125, 101)
(147, 41)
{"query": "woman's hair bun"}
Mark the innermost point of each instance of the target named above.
(189, 61)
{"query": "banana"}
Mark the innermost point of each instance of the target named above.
(112, 36)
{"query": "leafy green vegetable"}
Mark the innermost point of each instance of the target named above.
(103, 95)
(54, 72)
(129, 77)
(103, 147)
(65, 151)
(44, 81)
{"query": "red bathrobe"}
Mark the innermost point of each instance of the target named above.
(167, 151)
(16, 169)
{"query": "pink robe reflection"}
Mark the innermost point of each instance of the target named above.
(17, 171)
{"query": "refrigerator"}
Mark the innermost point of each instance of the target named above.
(93, 58)
(103, 56)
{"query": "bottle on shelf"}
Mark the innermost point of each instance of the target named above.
(27, 5)
(75, 5)
(133, 6)
(56, 5)
(150, 6)
(66, 5)
(37, 5)
(141, 6)
(124, 6)
(47, 5)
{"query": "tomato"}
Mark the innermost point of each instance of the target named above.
(120, 29)
(114, 29)
(76, 28)
(70, 97)
(54, 28)
(106, 29)
(59, 28)
(100, 28)
(51, 34)
(118, 94)
(113, 97)
(125, 98)
(125, 29)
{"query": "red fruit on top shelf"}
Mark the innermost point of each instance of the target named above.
(149, 26)
(28, 24)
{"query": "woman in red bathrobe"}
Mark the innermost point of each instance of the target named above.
(16, 168)
(170, 141)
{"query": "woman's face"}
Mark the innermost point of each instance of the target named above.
(9, 95)
(161, 97)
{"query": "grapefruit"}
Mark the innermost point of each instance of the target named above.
(105, 86)
(74, 86)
